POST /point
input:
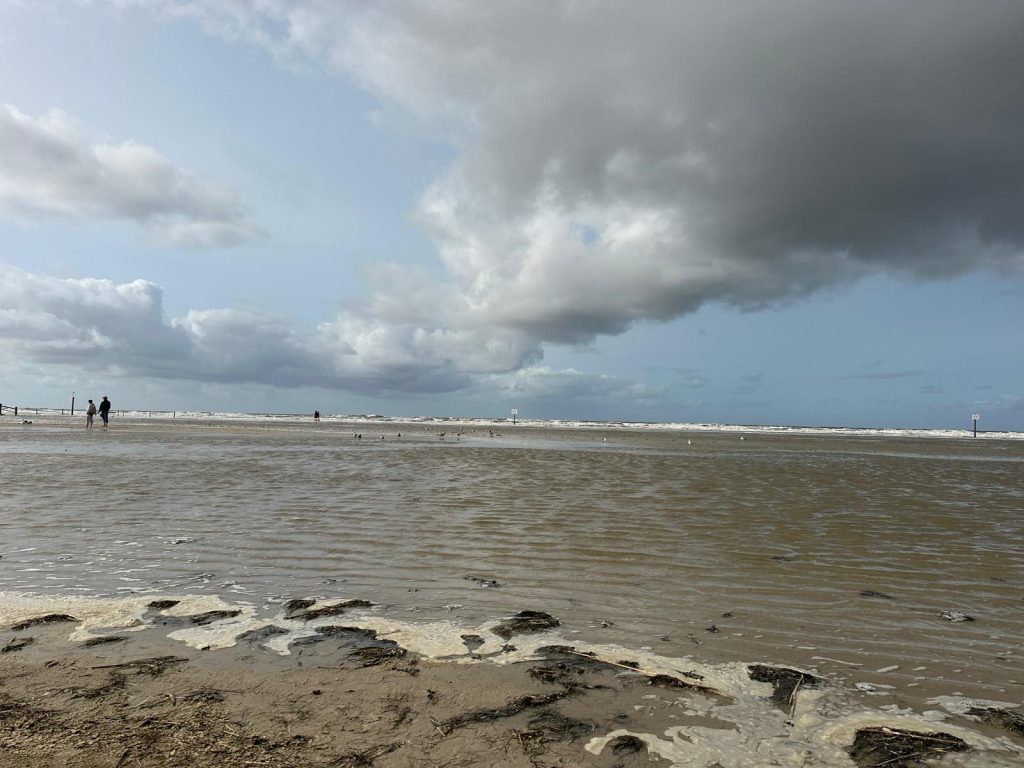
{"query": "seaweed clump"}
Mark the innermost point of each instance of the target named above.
(202, 619)
(626, 745)
(328, 610)
(523, 622)
(510, 709)
(1011, 720)
(50, 618)
(785, 682)
(896, 748)
(17, 644)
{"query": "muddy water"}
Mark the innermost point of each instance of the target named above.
(726, 549)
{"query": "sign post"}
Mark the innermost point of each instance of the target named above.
(974, 418)
(72, 403)
(515, 412)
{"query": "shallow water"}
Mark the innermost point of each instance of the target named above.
(639, 538)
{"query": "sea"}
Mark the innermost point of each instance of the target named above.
(889, 563)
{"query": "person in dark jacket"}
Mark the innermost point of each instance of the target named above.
(105, 410)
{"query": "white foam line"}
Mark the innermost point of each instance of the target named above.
(754, 733)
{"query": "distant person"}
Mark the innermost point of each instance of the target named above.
(104, 410)
(316, 415)
(89, 413)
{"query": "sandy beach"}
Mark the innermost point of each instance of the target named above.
(349, 696)
(275, 594)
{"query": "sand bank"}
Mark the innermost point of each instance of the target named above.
(331, 683)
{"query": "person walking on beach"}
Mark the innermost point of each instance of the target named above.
(104, 410)
(89, 413)
(316, 415)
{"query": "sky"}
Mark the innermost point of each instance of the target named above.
(790, 212)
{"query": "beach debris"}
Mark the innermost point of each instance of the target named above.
(184, 540)
(116, 682)
(355, 634)
(550, 725)
(202, 619)
(368, 649)
(472, 642)
(897, 748)
(373, 655)
(364, 758)
(873, 593)
(523, 622)
(626, 745)
(712, 629)
(204, 695)
(782, 558)
(483, 582)
(329, 610)
(1011, 720)
(16, 644)
(956, 616)
(154, 666)
(103, 640)
(50, 618)
(162, 605)
(512, 708)
(668, 681)
(297, 605)
(566, 665)
(257, 637)
(785, 682)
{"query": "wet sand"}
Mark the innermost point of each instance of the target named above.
(340, 694)
(847, 561)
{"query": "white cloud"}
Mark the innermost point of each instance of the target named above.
(617, 163)
(48, 167)
(99, 325)
(122, 328)
(625, 162)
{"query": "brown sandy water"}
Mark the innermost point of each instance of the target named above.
(704, 544)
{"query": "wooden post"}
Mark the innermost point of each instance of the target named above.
(72, 403)
(974, 418)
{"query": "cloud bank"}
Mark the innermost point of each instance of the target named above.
(122, 329)
(624, 163)
(617, 163)
(48, 167)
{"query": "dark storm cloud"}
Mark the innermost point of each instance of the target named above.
(622, 162)
(627, 164)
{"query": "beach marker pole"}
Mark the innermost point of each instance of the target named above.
(515, 412)
(974, 418)
(72, 403)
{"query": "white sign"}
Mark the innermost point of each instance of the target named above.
(515, 411)
(975, 416)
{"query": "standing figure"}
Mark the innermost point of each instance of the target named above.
(89, 413)
(104, 410)
(316, 415)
